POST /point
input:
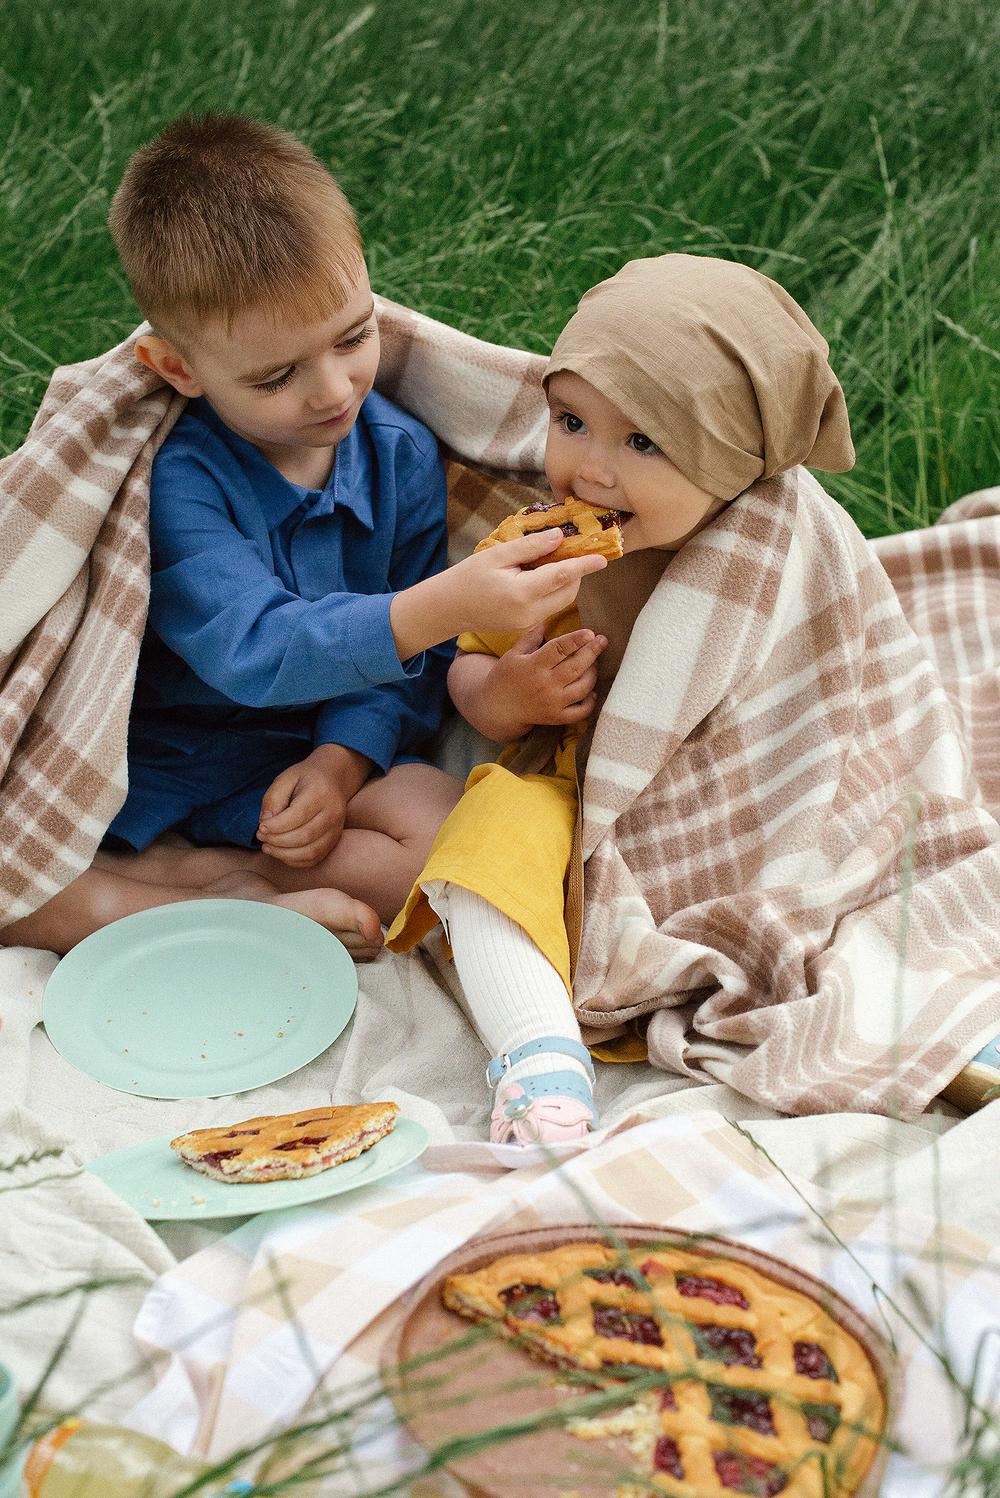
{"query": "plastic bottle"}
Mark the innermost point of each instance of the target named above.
(78, 1459)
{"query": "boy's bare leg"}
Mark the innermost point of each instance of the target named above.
(391, 824)
(101, 896)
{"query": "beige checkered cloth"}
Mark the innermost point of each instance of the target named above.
(253, 1324)
(74, 568)
(782, 817)
(776, 763)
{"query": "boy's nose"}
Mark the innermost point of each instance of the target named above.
(331, 387)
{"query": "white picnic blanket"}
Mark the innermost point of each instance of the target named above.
(220, 1386)
(286, 1318)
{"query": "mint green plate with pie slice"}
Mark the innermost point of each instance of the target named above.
(200, 999)
(153, 1180)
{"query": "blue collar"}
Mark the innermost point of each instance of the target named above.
(349, 484)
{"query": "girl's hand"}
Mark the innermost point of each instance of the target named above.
(531, 683)
(538, 682)
(492, 592)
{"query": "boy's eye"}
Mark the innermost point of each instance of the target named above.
(642, 444)
(278, 383)
(358, 338)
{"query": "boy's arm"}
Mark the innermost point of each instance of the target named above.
(398, 716)
(218, 605)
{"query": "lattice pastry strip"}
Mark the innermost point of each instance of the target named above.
(588, 529)
(280, 1146)
(764, 1384)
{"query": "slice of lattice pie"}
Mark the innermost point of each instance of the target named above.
(763, 1391)
(588, 529)
(286, 1146)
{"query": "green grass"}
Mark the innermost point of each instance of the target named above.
(503, 157)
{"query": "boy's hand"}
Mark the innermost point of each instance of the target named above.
(303, 810)
(548, 683)
(491, 592)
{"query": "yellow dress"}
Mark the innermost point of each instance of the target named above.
(510, 838)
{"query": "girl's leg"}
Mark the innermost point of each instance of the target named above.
(520, 1007)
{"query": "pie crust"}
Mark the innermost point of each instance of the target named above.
(286, 1146)
(764, 1391)
(588, 529)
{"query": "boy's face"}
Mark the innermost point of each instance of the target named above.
(281, 387)
(594, 452)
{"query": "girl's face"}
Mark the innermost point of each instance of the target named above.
(594, 452)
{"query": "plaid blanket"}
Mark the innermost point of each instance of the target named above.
(791, 865)
(74, 567)
(768, 916)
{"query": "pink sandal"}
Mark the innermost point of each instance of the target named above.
(549, 1109)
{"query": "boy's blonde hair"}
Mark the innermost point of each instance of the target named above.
(220, 215)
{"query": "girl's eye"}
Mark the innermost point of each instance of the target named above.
(279, 383)
(358, 338)
(570, 423)
(642, 444)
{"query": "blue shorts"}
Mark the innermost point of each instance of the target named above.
(211, 795)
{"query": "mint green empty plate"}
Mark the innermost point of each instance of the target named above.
(200, 999)
(153, 1180)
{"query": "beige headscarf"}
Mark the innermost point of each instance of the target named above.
(714, 362)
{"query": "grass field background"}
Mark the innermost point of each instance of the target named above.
(503, 158)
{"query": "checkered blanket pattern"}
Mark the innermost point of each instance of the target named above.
(792, 866)
(279, 1321)
(74, 567)
(757, 918)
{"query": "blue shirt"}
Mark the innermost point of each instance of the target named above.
(269, 603)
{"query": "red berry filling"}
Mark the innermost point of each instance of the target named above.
(717, 1291)
(666, 1457)
(668, 1400)
(215, 1156)
(608, 519)
(726, 1344)
(239, 1133)
(748, 1474)
(741, 1407)
(631, 1326)
(651, 1269)
(540, 507)
(822, 1420)
(298, 1144)
(614, 1277)
(812, 1362)
(531, 1303)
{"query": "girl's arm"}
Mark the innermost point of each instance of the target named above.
(469, 688)
(532, 682)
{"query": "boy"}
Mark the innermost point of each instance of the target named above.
(295, 653)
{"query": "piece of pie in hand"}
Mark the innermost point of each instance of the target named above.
(588, 529)
(286, 1146)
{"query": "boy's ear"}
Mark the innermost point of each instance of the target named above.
(160, 355)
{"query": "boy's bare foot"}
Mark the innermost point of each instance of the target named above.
(354, 923)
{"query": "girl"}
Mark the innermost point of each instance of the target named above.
(675, 386)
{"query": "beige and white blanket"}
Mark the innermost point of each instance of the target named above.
(767, 909)
(782, 816)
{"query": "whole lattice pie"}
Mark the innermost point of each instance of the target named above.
(281, 1146)
(587, 529)
(763, 1391)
